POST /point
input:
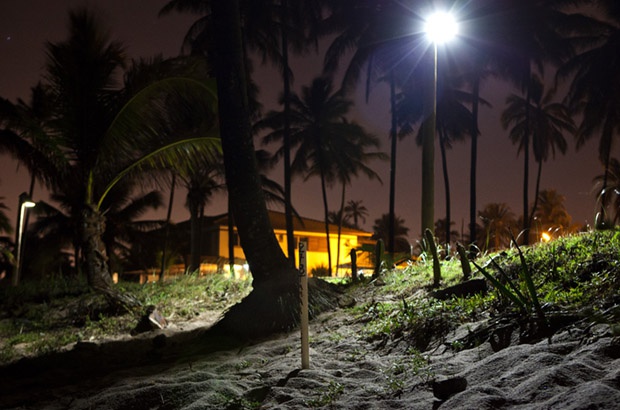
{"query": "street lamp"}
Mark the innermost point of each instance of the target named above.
(25, 203)
(439, 28)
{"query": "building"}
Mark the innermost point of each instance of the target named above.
(215, 254)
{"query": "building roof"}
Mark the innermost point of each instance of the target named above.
(278, 222)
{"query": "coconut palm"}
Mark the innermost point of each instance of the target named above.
(201, 183)
(100, 128)
(356, 211)
(381, 36)
(273, 303)
(525, 35)
(271, 29)
(593, 72)
(608, 191)
(5, 224)
(327, 145)
(498, 225)
(548, 121)
(381, 231)
(551, 214)
(442, 227)
(453, 121)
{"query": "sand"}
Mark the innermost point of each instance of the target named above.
(578, 368)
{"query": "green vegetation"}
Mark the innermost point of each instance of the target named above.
(327, 395)
(539, 288)
(571, 279)
(42, 317)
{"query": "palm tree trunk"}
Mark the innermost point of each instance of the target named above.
(536, 193)
(164, 251)
(474, 160)
(605, 155)
(446, 182)
(340, 226)
(393, 137)
(231, 240)
(96, 261)
(273, 303)
(288, 206)
(194, 254)
(326, 218)
(526, 169)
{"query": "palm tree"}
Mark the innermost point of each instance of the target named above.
(381, 231)
(524, 36)
(381, 36)
(98, 129)
(593, 72)
(273, 303)
(552, 214)
(453, 121)
(609, 182)
(498, 223)
(327, 145)
(271, 29)
(202, 182)
(357, 211)
(548, 121)
(442, 227)
(5, 224)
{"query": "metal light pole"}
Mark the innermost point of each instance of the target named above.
(25, 203)
(439, 28)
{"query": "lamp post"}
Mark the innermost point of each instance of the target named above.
(25, 203)
(439, 28)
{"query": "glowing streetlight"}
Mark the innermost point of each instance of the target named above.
(25, 203)
(439, 28)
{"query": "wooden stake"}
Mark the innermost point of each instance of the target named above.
(303, 276)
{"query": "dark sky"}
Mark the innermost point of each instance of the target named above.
(27, 24)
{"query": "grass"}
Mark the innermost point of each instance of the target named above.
(578, 275)
(42, 317)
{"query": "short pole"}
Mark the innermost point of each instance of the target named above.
(303, 276)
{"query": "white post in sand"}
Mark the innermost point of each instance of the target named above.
(303, 276)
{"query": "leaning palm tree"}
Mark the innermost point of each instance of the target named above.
(271, 29)
(547, 123)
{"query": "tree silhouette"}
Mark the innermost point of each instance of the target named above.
(381, 231)
(548, 121)
(607, 191)
(356, 211)
(593, 72)
(498, 225)
(327, 145)
(551, 214)
(102, 132)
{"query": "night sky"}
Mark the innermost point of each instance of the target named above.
(27, 24)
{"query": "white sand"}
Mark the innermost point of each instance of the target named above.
(347, 372)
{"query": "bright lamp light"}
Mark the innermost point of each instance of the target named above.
(441, 27)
